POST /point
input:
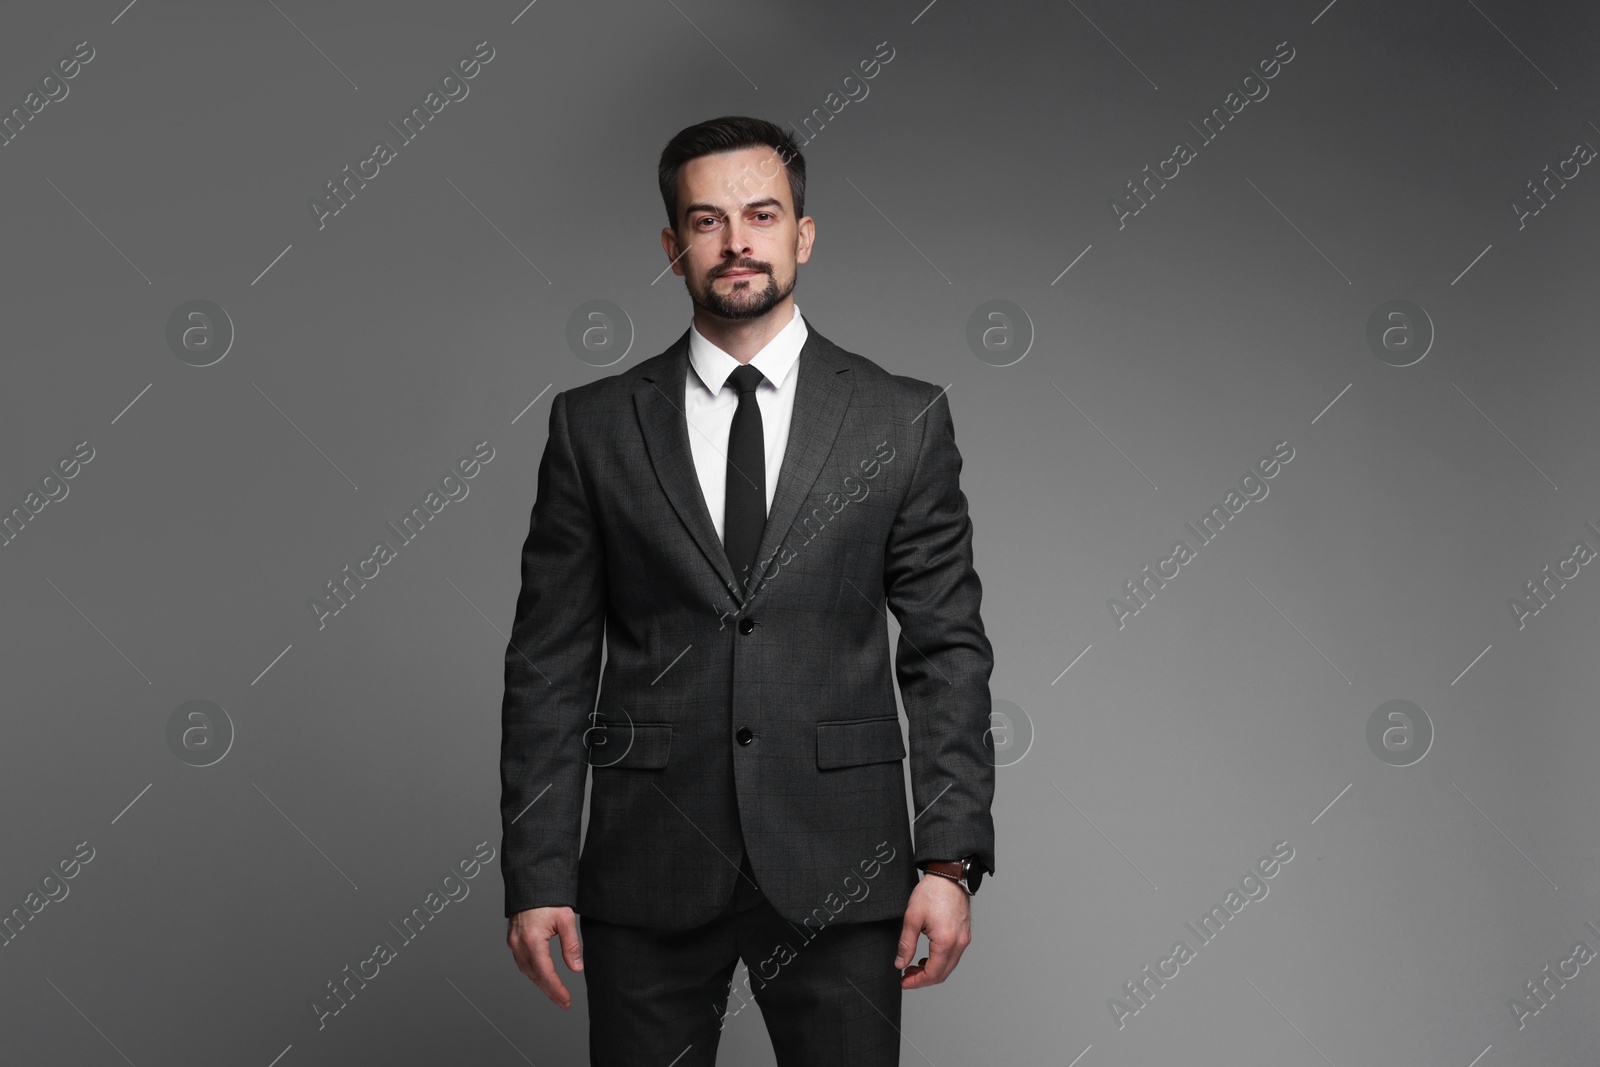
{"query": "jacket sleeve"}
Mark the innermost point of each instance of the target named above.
(552, 665)
(943, 659)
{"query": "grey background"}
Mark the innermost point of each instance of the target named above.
(430, 314)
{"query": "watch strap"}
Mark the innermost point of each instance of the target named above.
(955, 870)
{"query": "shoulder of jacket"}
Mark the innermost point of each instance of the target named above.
(614, 389)
(863, 369)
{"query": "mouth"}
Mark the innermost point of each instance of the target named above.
(739, 274)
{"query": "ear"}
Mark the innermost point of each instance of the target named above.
(805, 234)
(674, 251)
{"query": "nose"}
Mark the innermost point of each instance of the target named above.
(734, 241)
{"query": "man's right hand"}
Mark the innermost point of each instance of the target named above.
(529, 937)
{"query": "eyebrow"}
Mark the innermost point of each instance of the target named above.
(762, 204)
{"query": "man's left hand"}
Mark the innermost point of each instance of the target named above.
(941, 910)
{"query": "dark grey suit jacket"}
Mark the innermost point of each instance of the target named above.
(763, 713)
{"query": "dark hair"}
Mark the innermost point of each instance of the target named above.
(727, 134)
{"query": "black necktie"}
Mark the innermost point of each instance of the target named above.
(745, 510)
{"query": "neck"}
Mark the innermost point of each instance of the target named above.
(743, 338)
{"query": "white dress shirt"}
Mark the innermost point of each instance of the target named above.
(709, 403)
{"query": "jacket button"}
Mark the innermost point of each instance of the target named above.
(746, 625)
(744, 735)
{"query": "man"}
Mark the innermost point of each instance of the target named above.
(733, 516)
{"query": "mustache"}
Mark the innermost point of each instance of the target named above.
(728, 267)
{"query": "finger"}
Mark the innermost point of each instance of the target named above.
(571, 946)
(906, 951)
(916, 975)
(542, 969)
(943, 952)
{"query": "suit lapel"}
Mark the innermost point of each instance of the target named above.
(659, 402)
(821, 396)
(822, 393)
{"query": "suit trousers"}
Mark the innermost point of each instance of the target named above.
(830, 997)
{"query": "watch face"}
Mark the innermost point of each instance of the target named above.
(974, 876)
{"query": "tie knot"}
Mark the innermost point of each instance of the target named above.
(745, 378)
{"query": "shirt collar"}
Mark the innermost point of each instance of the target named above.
(774, 361)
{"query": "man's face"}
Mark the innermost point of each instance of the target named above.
(737, 242)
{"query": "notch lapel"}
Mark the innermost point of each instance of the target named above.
(659, 403)
(821, 396)
(822, 393)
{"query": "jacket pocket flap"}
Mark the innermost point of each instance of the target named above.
(851, 742)
(640, 745)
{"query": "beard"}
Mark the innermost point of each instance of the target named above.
(742, 302)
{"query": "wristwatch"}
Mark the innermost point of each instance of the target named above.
(966, 873)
